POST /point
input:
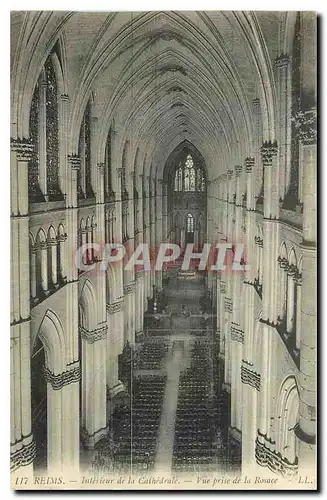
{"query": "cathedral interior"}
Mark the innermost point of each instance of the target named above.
(149, 127)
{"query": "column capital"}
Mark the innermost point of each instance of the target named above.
(91, 336)
(250, 376)
(258, 241)
(74, 162)
(237, 334)
(268, 150)
(282, 61)
(41, 245)
(24, 455)
(62, 237)
(129, 288)
(283, 262)
(238, 170)
(222, 287)
(256, 102)
(229, 174)
(292, 271)
(249, 164)
(24, 148)
(115, 307)
(298, 278)
(65, 378)
(52, 242)
(306, 125)
(64, 97)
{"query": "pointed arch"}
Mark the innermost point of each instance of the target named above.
(292, 257)
(88, 306)
(52, 233)
(111, 287)
(61, 230)
(41, 236)
(286, 418)
(51, 334)
(283, 250)
(190, 222)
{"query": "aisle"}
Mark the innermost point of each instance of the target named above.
(177, 361)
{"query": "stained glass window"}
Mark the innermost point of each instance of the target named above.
(52, 138)
(107, 169)
(33, 167)
(87, 121)
(176, 181)
(188, 177)
(84, 176)
(192, 179)
(190, 223)
(124, 193)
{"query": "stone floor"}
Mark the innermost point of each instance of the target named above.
(185, 329)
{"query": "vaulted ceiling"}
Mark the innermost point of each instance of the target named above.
(160, 77)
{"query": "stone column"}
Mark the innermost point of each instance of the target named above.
(52, 243)
(237, 333)
(152, 213)
(62, 238)
(270, 231)
(298, 284)
(290, 299)
(114, 346)
(271, 179)
(63, 420)
(63, 139)
(284, 92)
(306, 430)
(33, 271)
(158, 228)
(42, 148)
(94, 418)
(164, 210)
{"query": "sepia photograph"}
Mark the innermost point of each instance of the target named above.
(163, 250)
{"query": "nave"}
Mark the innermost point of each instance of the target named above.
(176, 417)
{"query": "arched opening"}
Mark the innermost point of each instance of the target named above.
(292, 272)
(48, 418)
(186, 178)
(189, 228)
(287, 416)
(39, 405)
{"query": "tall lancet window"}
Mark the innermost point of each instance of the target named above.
(190, 223)
(291, 198)
(33, 166)
(52, 143)
(179, 179)
(189, 177)
(124, 193)
(189, 174)
(107, 171)
(43, 171)
(84, 150)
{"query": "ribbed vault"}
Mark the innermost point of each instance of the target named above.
(161, 78)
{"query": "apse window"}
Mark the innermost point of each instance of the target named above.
(189, 178)
(190, 223)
